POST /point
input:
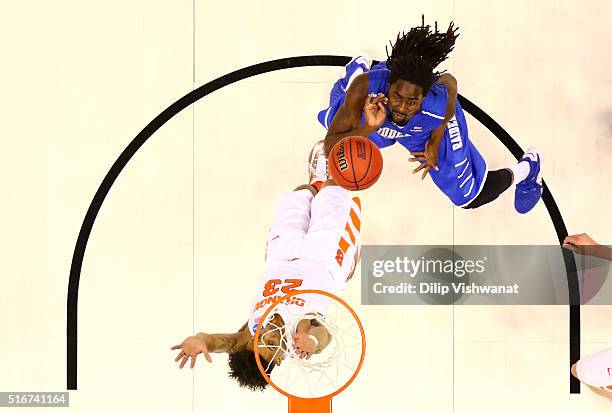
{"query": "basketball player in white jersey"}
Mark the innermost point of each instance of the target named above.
(594, 370)
(313, 243)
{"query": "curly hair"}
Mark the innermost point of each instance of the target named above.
(416, 54)
(243, 368)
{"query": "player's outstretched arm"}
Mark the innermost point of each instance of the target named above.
(347, 119)
(205, 344)
(429, 158)
(584, 244)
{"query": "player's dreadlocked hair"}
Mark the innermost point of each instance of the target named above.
(243, 368)
(416, 54)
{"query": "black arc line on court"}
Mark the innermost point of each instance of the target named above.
(244, 73)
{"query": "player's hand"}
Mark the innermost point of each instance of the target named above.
(374, 110)
(428, 159)
(424, 166)
(190, 348)
(578, 240)
(584, 244)
(304, 345)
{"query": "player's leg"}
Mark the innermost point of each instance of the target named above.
(525, 175)
(290, 223)
(317, 165)
(358, 65)
(334, 234)
(528, 184)
(495, 184)
(292, 219)
(464, 177)
(313, 190)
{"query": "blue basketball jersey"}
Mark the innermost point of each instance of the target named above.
(462, 170)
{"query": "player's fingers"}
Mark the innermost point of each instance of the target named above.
(425, 172)
(207, 356)
(381, 107)
(193, 361)
(183, 361)
(417, 153)
(181, 354)
(432, 163)
(416, 159)
(175, 347)
(571, 247)
(421, 166)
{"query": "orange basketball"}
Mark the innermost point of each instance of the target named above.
(355, 163)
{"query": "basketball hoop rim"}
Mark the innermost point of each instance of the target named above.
(334, 297)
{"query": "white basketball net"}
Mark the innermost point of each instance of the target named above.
(322, 373)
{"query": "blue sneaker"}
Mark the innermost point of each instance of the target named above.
(529, 191)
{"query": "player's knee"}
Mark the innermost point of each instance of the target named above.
(329, 182)
(311, 188)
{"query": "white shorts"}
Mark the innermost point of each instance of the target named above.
(596, 369)
(325, 229)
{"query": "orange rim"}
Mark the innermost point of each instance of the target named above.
(334, 297)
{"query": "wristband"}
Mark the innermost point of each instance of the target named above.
(315, 340)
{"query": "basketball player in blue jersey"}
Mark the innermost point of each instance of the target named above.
(404, 100)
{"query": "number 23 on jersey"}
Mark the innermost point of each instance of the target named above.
(286, 286)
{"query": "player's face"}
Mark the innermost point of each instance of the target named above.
(269, 340)
(405, 100)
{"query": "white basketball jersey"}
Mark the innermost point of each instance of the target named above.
(283, 277)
